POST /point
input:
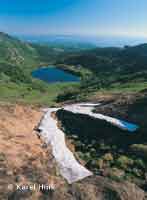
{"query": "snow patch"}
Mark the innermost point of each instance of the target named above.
(69, 167)
(86, 109)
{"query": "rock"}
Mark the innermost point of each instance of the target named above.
(100, 188)
(131, 107)
(108, 157)
(113, 173)
(100, 163)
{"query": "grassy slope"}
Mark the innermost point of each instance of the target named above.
(17, 52)
(12, 92)
(17, 60)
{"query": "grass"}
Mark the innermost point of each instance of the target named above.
(118, 88)
(88, 93)
(128, 87)
(12, 92)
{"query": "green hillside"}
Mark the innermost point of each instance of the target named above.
(114, 69)
(102, 69)
(16, 52)
(17, 60)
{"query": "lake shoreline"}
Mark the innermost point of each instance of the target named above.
(54, 74)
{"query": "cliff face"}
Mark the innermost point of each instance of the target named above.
(25, 161)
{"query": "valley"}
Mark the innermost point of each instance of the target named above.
(113, 79)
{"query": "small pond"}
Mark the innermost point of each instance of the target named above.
(52, 74)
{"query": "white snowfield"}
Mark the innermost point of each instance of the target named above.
(69, 167)
(86, 109)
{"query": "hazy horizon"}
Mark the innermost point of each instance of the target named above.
(101, 41)
(106, 18)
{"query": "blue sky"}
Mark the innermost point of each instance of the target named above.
(74, 17)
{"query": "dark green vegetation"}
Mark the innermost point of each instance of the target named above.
(107, 150)
(113, 69)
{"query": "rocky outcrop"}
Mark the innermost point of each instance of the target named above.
(123, 105)
(131, 107)
(99, 188)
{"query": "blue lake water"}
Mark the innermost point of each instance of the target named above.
(53, 75)
(130, 126)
